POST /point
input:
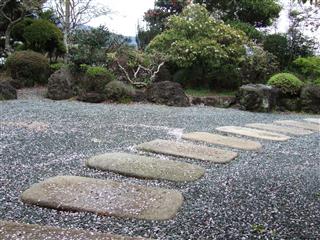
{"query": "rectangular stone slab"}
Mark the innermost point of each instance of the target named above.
(104, 197)
(188, 150)
(146, 167)
(232, 142)
(249, 132)
(282, 129)
(306, 125)
(15, 231)
(313, 120)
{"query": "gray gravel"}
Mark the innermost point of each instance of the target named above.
(272, 194)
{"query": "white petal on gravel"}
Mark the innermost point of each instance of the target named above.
(282, 129)
(249, 132)
(305, 125)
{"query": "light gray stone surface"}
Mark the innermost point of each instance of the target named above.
(146, 167)
(232, 142)
(188, 150)
(104, 197)
(282, 129)
(313, 120)
(306, 125)
(249, 132)
(21, 231)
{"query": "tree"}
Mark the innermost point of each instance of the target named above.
(258, 13)
(75, 13)
(14, 11)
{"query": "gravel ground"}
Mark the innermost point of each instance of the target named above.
(271, 194)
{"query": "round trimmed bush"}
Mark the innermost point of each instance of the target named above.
(97, 78)
(28, 68)
(286, 82)
(119, 91)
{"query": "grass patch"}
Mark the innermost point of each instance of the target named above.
(208, 92)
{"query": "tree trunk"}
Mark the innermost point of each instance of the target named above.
(7, 45)
(66, 28)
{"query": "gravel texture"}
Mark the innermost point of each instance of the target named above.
(270, 194)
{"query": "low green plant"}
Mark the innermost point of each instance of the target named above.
(308, 67)
(119, 91)
(317, 81)
(96, 78)
(56, 66)
(287, 83)
(94, 72)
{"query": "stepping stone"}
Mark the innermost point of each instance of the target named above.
(313, 120)
(146, 167)
(14, 231)
(305, 125)
(233, 142)
(282, 129)
(187, 150)
(249, 132)
(104, 197)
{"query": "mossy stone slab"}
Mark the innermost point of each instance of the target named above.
(104, 197)
(227, 141)
(282, 129)
(15, 231)
(249, 132)
(313, 120)
(146, 167)
(188, 150)
(306, 125)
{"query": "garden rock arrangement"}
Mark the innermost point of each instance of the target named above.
(310, 99)
(7, 91)
(60, 85)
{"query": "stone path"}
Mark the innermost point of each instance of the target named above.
(146, 167)
(282, 129)
(187, 150)
(249, 132)
(305, 125)
(227, 141)
(18, 231)
(313, 120)
(104, 197)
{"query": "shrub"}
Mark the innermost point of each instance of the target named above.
(248, 29)
(56, 66)
(317, 81)
(19, 28)
(308, 67)
(287, 83)
(28, 67)
(119, 91)
(96, 78)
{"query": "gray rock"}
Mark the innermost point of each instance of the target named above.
(15, 231)
(92, 97)
(257, 97)
(104, 197)
(7, 91)
(60, 85)
(214, 101)
(146, 167)
(305, 125)
(310, 99)
(282, 129)
(167, 93)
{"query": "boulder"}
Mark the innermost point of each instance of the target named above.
(257, 97)
(92, 97)
(214, 101)
(60, 85)
(167, 93)
(289, 104)
(139, 96)
(310, 99)
(7, 92)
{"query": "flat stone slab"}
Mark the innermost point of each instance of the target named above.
(282, 129)
(104, 197)
(188, 150)
(305, 125)
(313, 120)
(232, 142)
(15, 231)
(249, 132)
(146, 167)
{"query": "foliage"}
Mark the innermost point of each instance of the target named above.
(195, 40)
(19, 29)
(28, 67)
(257, 13)
(287, 83)
(308, 67)
(119, 91)
(44, 37)
(56, 66)
(252, 33)
(258, 66)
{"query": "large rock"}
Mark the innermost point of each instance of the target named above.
(92, 97)
(298, 124)
(214, 101)
(7, 92)
(104, 197)
(60, 85)
(310, 99)
(167, 93)
(277, 128)
(257, 97)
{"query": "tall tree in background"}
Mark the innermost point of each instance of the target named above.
(75, 13)
(14, 11)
